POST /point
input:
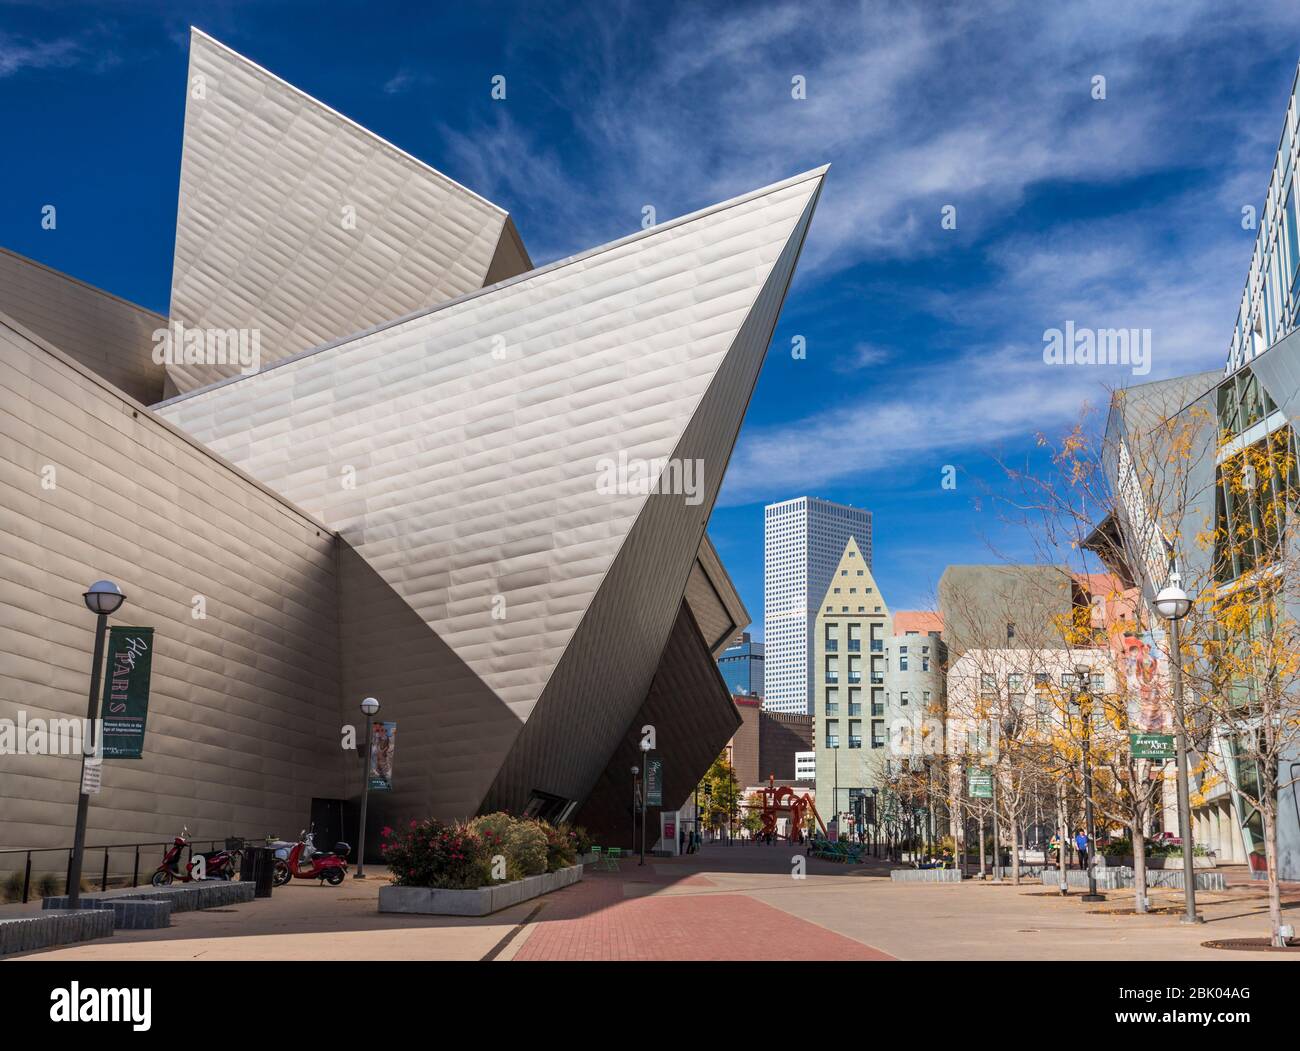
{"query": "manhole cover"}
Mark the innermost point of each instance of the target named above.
(1253, 945)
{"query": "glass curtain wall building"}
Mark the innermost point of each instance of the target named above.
(803, 540)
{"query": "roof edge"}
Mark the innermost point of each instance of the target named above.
(527, 275)
(196, 31)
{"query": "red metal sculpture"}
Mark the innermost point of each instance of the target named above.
(786, 799)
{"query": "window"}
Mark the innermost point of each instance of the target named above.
(1011, 631)
(902, 696)
(878, 733)
(987, 682)
(925, 663)
(902, 662)
(925, 697)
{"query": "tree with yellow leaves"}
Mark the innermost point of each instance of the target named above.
(1243, 652)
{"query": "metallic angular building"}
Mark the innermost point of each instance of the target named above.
(484, 505)
(297, 222)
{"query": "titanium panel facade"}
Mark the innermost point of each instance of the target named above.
(111, 337)
(297, 222)
(459, 452)
(243, 726)
(693, 715)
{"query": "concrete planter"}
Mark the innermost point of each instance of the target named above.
(481, 901)
(184, 897)
(56, 928)
(1126, 861)
(925, 875)
(137, 914)
(1122, 878)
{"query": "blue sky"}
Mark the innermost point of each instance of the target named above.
(924, 345)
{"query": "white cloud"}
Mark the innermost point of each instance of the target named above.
(918, 106)
(18, 55)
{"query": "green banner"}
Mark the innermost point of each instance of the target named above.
(979, 784)
(126, 692)
(654, 782)
(383, 741)
(1152, 746)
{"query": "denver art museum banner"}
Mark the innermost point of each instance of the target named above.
(383, 739)
(126, 692)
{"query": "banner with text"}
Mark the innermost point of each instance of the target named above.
(126, 692)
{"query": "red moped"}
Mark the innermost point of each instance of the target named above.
(305, 862)
(217, 864)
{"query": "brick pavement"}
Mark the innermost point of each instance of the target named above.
(611, 916)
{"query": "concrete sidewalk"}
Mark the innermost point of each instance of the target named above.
(728, 903)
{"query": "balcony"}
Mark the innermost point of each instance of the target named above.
(855, 677)
(877, 646)
(877, 709)
(832, 645)
(855, 742)
(855, 709)
(832, 677)
(877, 678)
(855, 645)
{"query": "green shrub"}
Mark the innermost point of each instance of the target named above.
(560, 849)
(433, 854)
(525, 845)
(49, 885)
(13, 887)
(581, 840)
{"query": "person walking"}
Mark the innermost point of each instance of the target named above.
(1081, 845)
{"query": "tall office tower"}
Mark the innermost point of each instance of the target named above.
(803, 540)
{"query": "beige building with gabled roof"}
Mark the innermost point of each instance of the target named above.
(852, 630)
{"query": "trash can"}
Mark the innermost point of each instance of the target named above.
(259, 867)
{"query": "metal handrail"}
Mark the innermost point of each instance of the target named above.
(107, 849)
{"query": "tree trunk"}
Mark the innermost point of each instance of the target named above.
(1015, 850)
(981, 843)
(1269, 809)
(1064, 840)
(1139, 864)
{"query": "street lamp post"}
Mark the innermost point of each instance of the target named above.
(1174, 604)
(875, 823)
(1082, 691)
(708, 806)
(636, 802)
(645, 803)
(732, 809)
(102, 598)
(369, 708)
(835, 802)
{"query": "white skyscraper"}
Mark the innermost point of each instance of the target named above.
(803, 540)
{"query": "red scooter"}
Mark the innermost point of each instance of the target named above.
(217, 864)
(305, 862)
